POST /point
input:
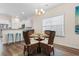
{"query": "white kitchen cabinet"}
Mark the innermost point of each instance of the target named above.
(1, 48)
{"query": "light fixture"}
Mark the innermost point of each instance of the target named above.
(39, 12)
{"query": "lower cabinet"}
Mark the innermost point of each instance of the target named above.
(1, 48)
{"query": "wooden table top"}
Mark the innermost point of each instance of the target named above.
(39, 37)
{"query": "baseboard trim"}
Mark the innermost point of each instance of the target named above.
(68, 49)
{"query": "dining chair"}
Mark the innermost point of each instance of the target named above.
(31, 31)
(47, 44)
(30, 43)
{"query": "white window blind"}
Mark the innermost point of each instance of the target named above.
(55, 24)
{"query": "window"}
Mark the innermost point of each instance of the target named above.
(55, 24)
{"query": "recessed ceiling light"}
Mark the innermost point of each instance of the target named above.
(22, 12)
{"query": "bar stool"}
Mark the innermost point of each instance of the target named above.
(18, 37)
(10, 38)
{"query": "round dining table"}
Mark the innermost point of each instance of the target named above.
(39, 37)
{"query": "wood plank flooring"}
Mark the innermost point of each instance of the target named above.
(16, 49)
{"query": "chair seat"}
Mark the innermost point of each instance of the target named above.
(33, 41)
(45, 41)
(50, 45)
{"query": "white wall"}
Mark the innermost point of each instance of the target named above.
(70, 39)
(37, 23)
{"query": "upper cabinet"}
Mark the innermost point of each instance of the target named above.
(15, 23)
(4, 22)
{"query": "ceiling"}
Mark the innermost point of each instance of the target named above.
(23, 10)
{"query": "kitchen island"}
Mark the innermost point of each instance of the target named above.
(12, 35)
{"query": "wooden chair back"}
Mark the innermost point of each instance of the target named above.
(26, 37)
(51, 37)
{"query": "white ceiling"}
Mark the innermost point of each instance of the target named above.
(16, 9)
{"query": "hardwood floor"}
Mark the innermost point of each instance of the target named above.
(17, 50)
(14, 49)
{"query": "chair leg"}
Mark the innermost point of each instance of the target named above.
(24, 50)
(48, 54)
(53, 50)
(28, 50)
(28, 54)
(49, 51)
